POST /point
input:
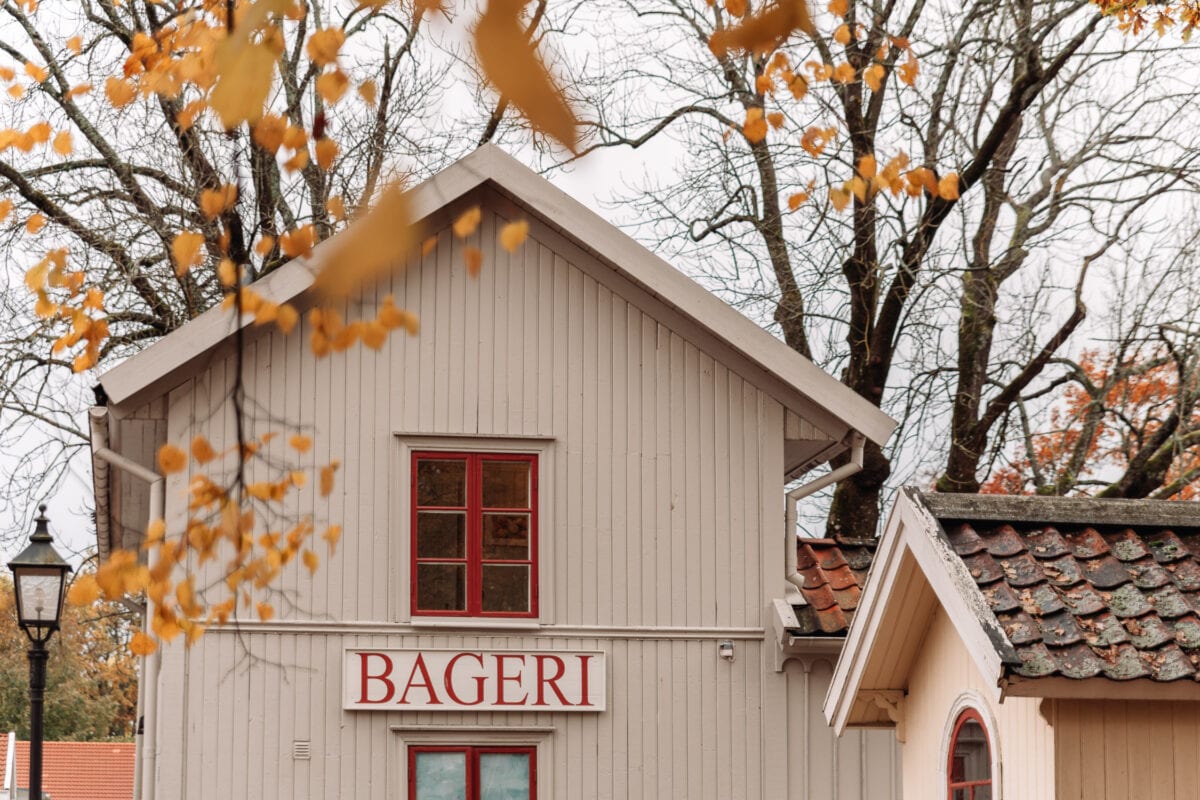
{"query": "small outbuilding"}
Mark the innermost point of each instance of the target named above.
(1031, 647)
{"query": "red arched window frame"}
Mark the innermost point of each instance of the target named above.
(969, 787)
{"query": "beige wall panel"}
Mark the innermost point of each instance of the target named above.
(942, 673)
(1132, 750)
(657, 447)
(662, 508)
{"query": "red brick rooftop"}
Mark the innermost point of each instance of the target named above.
(77, 770)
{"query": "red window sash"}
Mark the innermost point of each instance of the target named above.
(474, 532)
(966, 716)
(472, 755)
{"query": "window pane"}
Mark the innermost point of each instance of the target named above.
(441, 534)
(503, 776)
(505, 588)
(506, 536)
(441, 482)
(971, 762)
(441, 587)
(983, 793)
(506, 484)
(962, 794)
(441, 776)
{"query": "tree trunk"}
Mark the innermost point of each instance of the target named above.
(855, 509)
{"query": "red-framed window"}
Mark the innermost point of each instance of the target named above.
(474, 534)
(472, 773)
(969, 772)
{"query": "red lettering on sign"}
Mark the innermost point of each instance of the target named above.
(381, 677)
(479, 680)
(502, 679)
(426, 683)
(552, 680)
(583, 680)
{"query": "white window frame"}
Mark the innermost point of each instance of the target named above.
(975, 701)
(401, 514)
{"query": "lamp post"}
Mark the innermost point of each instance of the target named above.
(39, 577)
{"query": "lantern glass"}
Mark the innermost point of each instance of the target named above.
(39, 595)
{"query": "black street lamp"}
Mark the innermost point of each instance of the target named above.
(39, 577)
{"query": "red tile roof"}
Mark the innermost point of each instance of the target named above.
(834, 571)
(77, 770)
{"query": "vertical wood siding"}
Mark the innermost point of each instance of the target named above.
(942, 672)
(663, 506)
(1132, 750)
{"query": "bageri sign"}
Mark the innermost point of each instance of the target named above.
(474, 680)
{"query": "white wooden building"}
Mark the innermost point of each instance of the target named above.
(592, 451)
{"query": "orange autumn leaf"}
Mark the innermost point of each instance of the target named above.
(368, 92)
(796, 200)
(776, 119)
(839, 7)
(473, 258)
(332, 85)
(75, 44)
(843, 35)
(84, 590)
(755, 126)
(265, 611)
(467, 222)
(373, 242)
(323, 46)
(245, 66)
(171, 459)
(298, 242)
(736, 8)
(202, 451)
(839, 198)
(16, 91)
(300, 443)
(264, 246)
(39, 74)
(311, 561)
(215, 202)
(947, 187)
(119, 92)
(510, 61)
(336, 207)
(78, 89)
(908, 70)
(764, 31)
(6, 207)
(269, 131)
(327, 150)
(286, 318)
(327, 475)
(844, 73)
(185, 249)
(62, 143)
(142, 645)
(513, 235)
(331, 535)
(873, 76)
(35, 223)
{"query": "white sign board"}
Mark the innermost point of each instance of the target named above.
(474, 680)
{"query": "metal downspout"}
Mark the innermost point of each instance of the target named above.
(857, 443)
(102, 458)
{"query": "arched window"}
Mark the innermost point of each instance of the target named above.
(969, 773)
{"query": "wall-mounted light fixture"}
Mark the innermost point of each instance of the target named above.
(725, 649)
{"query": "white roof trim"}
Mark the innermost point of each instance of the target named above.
(150, 372)
(911, 528)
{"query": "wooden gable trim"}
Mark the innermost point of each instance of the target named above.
(1100, 688)
(912, 529)
(173, 359)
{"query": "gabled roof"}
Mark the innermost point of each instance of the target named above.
(1052, 597)
(76, 770)
(169, 361)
